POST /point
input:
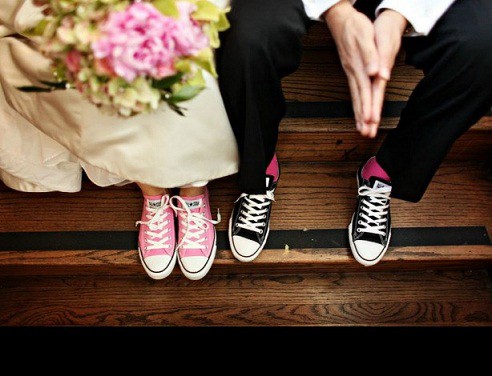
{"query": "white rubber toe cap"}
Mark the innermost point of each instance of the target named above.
(245, 247)
(369, 252)
(158, 266)
(194, 264)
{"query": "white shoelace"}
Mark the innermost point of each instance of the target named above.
(157, 220)
(193, 225)
(253, 210)
(374, 211)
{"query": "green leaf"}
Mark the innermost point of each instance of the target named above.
(177, 109)
(185, 94)
(206, 11)
(167, 7)
(167, 82)
(34, 89)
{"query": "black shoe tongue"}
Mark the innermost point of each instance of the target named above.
(270, 180)
(379, 184)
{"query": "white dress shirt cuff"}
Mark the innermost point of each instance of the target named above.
(315, 8)
(421, 14)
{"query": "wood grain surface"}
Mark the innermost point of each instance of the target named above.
(403, 298)
(271, 261)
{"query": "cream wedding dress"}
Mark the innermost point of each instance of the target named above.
(47, 139)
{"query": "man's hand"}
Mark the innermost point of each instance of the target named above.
(389, 28)
(354, 35)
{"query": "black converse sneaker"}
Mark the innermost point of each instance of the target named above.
(370, 228)
(249, 225)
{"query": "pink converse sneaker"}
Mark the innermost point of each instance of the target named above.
(156, 238)
(197, 242)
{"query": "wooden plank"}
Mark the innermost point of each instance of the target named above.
(440, 313)
(417, 298)
(271, 261)
(292, 288)
(312, 196)
(337, 146)
(321, 78)
(346, 125)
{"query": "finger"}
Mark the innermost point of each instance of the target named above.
(387, 49)
(373, 130)
(369, 52)
(365, 94)
(354, 92)
(378, 90)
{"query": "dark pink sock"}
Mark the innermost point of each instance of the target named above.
(372, 168)
(272, 168)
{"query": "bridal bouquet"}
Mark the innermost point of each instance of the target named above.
(129, 56)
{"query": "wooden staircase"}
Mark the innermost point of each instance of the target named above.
(71, 258)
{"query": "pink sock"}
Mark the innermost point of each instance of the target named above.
(372, 168)
(272, 168)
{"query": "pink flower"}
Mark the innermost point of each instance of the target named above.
(72, 60)
(190, 38)
(141, 41)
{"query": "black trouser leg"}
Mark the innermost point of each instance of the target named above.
(455, 93)
(262, 46)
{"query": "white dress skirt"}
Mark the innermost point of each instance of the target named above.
(47, 139)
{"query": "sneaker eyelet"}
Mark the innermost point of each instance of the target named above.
(261, 231)
(359, 222)
(358, 230)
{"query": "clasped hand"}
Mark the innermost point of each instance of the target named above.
(367, 51)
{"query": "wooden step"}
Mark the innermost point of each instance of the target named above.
(336, 140)
(93, 231)
(420, 298)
